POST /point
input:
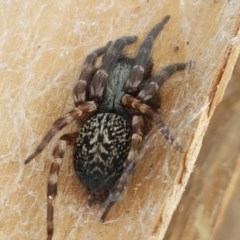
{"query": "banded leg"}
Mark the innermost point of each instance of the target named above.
(58, 153)
(142, 58)
(137, 124)
(60, 123)
(156, 82)
(79, 90)
(131, 102)
(114, 51)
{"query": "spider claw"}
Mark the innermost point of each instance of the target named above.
(30, 158)
(191, 64)
(177, 147)
(106, 207)
(164, 130)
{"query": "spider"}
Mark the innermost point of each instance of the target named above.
(116, 99)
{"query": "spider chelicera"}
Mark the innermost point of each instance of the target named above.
(116, 98)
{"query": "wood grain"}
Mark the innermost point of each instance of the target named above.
(203, 210)
(43, 45)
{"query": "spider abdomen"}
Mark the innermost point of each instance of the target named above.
(101, 149)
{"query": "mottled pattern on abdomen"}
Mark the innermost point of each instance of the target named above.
(101, 149)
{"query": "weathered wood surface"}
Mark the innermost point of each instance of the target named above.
(209, 206)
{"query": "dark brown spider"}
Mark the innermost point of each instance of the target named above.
(119, 93)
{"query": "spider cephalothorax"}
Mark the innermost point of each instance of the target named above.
(118, 95)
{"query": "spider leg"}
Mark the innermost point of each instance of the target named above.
(58, 153)
(156, 82)
(148, 70)
(142, 58)
(60, 123)
(129, 165)
(113, 52)
(79, 90)
(131, 102)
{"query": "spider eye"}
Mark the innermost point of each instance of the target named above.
(101, 149)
